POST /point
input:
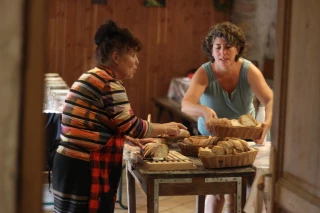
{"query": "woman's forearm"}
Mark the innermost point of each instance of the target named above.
(269, 106)
(157, 129)
(197, 110)
(192, 109)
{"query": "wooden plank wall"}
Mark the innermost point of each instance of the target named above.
(171, 39)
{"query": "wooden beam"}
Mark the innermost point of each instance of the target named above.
(32, 128)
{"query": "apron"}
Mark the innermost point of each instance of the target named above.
(106, 169)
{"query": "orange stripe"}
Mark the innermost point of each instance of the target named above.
(73, 153)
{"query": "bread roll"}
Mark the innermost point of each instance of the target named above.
(238, 145)
(232, 146)
(218, 150)
(205, 141)
(245, 145)
(222, 139)
(184, 133)
(198, 140)
(212, 122)
(188, 141)
(236, 151)
(226, 146)
(149, 149)
(248, 120)
(224, 122)
(161, 151)
(235, 122)
(158, 150)
(206, 152)
(212, 140)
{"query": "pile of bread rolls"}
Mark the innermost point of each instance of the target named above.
(245, 127)
(244, 121)
(229, 146)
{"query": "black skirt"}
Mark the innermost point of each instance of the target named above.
(71, 184)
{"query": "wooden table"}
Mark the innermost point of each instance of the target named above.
(198, 182)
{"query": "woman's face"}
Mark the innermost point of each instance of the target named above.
(223, 53)
(128, 65)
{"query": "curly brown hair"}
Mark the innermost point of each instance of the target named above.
(233, 35)
(109, 37)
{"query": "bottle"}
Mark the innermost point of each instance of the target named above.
(260, 117)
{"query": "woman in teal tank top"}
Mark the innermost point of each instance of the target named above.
(225, 86)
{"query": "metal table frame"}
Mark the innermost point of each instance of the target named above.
(170, 183)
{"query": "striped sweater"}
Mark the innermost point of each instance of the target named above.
(97, 107)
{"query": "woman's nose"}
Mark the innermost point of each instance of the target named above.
(137, 61)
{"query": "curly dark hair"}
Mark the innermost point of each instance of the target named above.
(109, 37)
(233, 35)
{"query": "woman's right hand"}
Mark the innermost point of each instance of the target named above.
(209, 114)
(172, 129)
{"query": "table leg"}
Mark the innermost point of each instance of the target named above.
(238, 197)
(229, 204)
(244, 192)
(152, 196)
(249, 184)
(200, 203)
(119, 194)
(131, 191)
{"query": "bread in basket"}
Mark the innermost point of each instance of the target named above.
(230, 153)
(190, 146)
(245, 127)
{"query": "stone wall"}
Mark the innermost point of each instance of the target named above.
(257, 19)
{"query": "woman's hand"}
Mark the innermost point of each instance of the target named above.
(141, 142)
(209, 114)
(173, 128)
(133, 141)
(266, 127)
(210, 123)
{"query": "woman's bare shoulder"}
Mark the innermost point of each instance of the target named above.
(200, 76)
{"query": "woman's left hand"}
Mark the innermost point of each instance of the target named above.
(133, 141)
(266, 127)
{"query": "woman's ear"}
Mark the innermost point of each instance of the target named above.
(238, 49)
(115, 57)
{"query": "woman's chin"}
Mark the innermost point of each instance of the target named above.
(225, 64)
(129, 76)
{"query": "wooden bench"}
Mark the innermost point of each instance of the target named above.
(174, 109)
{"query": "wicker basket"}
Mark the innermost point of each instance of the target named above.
(223, 161)
(191, 150)
(237, 132)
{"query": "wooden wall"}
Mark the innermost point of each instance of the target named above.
(171, 39)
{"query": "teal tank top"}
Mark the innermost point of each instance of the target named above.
(239, 103)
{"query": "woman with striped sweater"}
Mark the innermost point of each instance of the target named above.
(96, 117)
